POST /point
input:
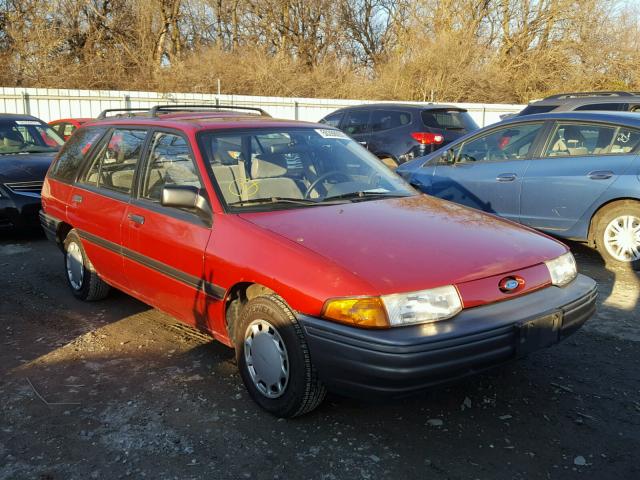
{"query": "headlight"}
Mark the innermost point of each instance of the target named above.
(562, 269)
(397, 309)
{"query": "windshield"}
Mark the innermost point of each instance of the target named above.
(27, 136)
(281, 168)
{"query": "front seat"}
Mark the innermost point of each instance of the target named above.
(268, 172)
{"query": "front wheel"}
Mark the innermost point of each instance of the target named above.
(617, 233)
(274, 361)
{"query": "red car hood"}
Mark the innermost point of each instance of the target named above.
(412, 243)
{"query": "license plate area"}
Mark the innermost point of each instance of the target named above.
(538, 333)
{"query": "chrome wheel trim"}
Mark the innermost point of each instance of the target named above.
(266, 358)
(75, 265)
(622, 238)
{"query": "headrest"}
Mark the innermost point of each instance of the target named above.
(12, 138)
(268, 166)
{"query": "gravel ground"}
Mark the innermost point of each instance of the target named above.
(115, 389)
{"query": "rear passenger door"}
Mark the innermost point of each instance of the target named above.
(164, 246)
(390, 133)
(579, 162)
(100, 198)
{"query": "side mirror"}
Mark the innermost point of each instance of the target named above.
(185, 196)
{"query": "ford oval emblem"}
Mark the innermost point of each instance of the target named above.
(510, 284)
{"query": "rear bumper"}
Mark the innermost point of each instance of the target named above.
(50, 226)
(400, 361)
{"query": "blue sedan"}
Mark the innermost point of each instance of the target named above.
(574, 175)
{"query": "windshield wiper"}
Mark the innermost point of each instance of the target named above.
(366, 194)
(276, 201)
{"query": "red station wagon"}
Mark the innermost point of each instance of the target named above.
(291, 243)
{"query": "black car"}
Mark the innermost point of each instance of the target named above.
(399, 132)
(27, 147)
(591, 101)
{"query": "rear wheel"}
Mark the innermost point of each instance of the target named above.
(273, 358)
(617, 233)
(82, 278)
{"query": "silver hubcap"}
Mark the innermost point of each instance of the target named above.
(622, 238)
(75, 268)
(266, 358)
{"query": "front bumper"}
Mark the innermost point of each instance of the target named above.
(400, 361)
(18, 211)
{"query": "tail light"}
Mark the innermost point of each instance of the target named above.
(426, 138)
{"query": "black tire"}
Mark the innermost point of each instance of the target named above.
(601, 222)
(91, 287)
(304, 391)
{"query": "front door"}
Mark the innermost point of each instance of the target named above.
(580, 161)
(164, 246)
(488, 170)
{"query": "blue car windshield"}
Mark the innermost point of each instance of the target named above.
(27, 136)
(295, 166)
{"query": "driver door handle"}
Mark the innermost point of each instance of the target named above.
(139, 219)
(506, 177)
(600, 174)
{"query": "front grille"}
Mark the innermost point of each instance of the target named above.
(25, 187)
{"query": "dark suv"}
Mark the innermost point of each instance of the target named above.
(399, 132)
(593, 101)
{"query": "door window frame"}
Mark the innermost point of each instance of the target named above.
(97, 149)
(556, 126)
(533, 150)
(147, 204)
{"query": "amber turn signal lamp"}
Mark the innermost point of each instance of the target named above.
(359, 312)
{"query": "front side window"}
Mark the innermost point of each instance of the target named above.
(66, 166)
(386, 119)
(570, 139)
(357, 122)
(170, 163)
(293, 167)
(533, 109)
(27, 136)
(509, 143)
(114, 166)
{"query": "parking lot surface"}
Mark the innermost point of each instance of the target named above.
(116, 389)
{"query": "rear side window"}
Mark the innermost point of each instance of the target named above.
(333, 119)
(356, 122)
(626, 141)
(115, 164)
(578, 140)
(388, 119)
(170, 163)
(533, 109)
(448, 120)
(73, 152)
(608, 107)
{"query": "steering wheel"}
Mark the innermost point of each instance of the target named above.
(323, 177)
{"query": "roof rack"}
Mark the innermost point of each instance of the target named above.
(122, 111)
(154, 111)
(563, 96)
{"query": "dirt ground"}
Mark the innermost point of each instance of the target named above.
(115, 389)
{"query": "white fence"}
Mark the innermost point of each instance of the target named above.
(52, 104)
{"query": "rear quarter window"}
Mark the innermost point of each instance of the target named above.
(533, 109)
(74, 151)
